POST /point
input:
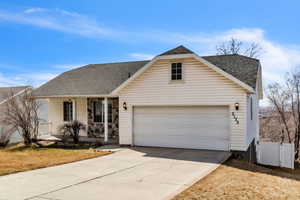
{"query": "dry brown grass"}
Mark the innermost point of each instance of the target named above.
(239, 180)
(19, 158)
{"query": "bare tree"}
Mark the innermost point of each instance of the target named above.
(5, 135)
(285, 99)
(21, 113)
(235, 46)
(279, 97)
(293, 87)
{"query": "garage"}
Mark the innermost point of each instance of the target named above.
(192, 127)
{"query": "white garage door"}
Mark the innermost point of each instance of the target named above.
(194, 127)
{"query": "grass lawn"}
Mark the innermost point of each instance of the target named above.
(18, 158)
(240, 180)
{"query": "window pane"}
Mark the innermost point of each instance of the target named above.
(179, 70)
(65, 111)
(176, 71)
(68, 111)
(109, 114)
(179, 77)
(97, 111)
(174, 77)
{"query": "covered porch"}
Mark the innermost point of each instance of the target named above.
(99, 114)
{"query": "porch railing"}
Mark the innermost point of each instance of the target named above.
(45, 128)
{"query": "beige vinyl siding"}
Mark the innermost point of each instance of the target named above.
(56, 111)
(201, 86)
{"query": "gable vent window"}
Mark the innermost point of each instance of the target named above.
(68, 111)
(176, 73)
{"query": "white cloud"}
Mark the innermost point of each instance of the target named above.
(33, 79)
(141, 56)
(59, 20)
(34, 10)
(67, 66)
(7, 81)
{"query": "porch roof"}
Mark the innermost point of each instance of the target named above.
(90, 80)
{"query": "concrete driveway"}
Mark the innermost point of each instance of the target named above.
(135, 173)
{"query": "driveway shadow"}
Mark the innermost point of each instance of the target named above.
(207, 156)
(210, 156)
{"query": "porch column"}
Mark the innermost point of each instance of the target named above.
(105, 119)
(74, 109)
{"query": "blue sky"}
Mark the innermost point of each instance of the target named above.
(40, 39)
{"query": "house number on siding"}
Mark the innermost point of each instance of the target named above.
(235, 118)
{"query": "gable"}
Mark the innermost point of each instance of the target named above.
(184, 56)
(198, 79)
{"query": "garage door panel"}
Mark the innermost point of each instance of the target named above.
(200, 143)
(199, 122)
(196, 127)
(178, 132)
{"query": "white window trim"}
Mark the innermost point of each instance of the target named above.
(182, 72)
(64, 111)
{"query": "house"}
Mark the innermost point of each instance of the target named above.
(5, 94)
(177, 99)
(14, 92)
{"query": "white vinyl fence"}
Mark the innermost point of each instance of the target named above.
(276, 154)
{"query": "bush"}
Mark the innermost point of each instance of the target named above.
(72, 129)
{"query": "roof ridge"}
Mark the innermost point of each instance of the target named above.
(234, 54)
(25, 86)
(89, 65)
(119, 62)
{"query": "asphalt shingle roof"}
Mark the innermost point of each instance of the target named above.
(94, 79)
(241, 67)
(178, 50)
(102, 79)
(5, 92)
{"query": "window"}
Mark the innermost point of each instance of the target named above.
(99, 114)
(68, 111)
(109, 114)
(251, 108)
(176, 71)
(98, 111)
